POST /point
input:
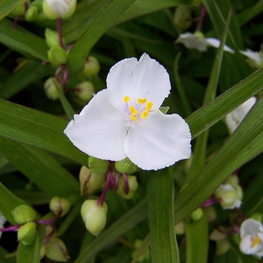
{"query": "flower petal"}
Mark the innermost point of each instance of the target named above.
(213, 42)
(250, 227)
(99, 130)
(255, 57)
(192, 41)
(145, 78)
(161, 141)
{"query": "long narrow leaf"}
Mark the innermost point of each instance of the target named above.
(6, 6)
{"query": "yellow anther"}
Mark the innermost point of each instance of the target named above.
(149, 106)
(255, 241)
(144, 114)
(133, 110)
(126, 99)
(133, 118)
(141, 101)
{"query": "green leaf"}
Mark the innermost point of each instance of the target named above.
(160, 195)
(96, 27)
(36, 128)
(8, 203)
(196, 240)
(23, 42)
(243, 145)
(40, 168)
(4, 258)
(6, 6)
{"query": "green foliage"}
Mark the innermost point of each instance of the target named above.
(38, 161)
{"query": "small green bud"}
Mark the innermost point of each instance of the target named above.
(62, 9)
(222, 247)
(232, 180)
(126, 166)
(52, 38)
(50, 86)
(182, 17)
(94, 216)
(59, 205)
(31, 14)
(197, 214)
(20, 9)
(133, 185)
(27, 233)
(179, 228)
(89, 182)
(85, 91)
(91, 67)
(23, 214)
(98, 166)
(257, 217)
(57, 56)
(218, 235)
(56, 250)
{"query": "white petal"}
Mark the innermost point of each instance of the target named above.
(99, 129)
(253, 56)
(213, 42)
(250, 227)
(59, 6)
(161, 141)
(192, 41)
(145, 78)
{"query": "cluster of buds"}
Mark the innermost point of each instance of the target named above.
(104, 173)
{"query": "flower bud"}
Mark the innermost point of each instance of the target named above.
(23, 214)
(232, 180)
(94, 216)
(126, 166)
(179, 228)
(50, 86)
(85, 91)
(222, 247)
(56, 250)
(54, 9)
(52, 38)
(57, 56)
(31, 14)
(98, 166)
(27, 233)
(91, 67)
(182, 17)
(20, 9)
(133, 185)
(89, 182)
(218, 234)
(59, 205)
(210, 213)
(197, 214)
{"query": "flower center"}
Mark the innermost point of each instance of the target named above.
(139, 110)
(255, 241)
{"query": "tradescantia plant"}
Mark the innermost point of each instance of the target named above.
(130, 131)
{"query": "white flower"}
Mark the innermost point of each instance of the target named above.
(124, 120)
(251, 233)
(254, 58)
(230, 196)
(55, 9)
(199, 42)
(2, 222)
(234, 118)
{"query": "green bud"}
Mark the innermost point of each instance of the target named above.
(56, 250)
(210, 213)
(57, 56)
(54, 11)
(89, 182)
(222, 247)
(257, 217)
(27, 233)
(133, 185)
(182, 17)
(197, 214)
(85, 91)
(50, 86)
(218, 235)
(91, 67)
(232, 180)
(98, 166)
(23, 214)
(19, 10)
(126, 166)
(52, 38)
(94, 216)
(31, 14)
(59, 205)
(179, 228)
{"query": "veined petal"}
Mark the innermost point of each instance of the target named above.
(213, 42)
(99, 130)
(145, 78)
(161, 141)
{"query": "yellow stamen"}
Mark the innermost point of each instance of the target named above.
(141, 101)
(126, 99)
(144, 114)
(133, 110)
(133, 118)
(255, 241)
(149, 106)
